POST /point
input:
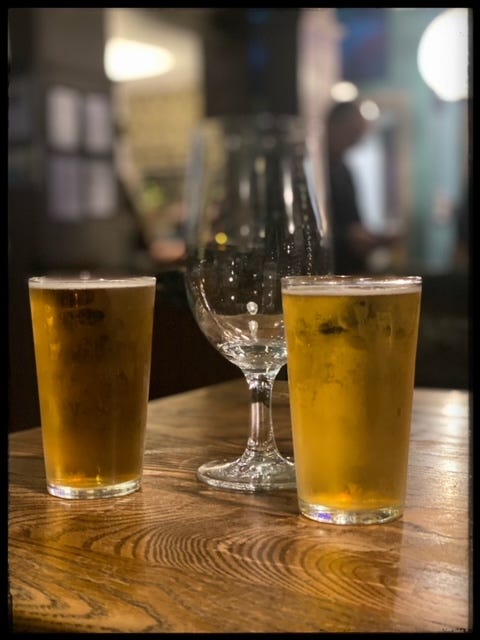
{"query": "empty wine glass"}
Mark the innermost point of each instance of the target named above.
(255, 213)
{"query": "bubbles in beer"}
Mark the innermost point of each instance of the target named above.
(72, 299)
(331, 328)
(85, 316)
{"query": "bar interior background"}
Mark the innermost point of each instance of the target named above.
(81, 132)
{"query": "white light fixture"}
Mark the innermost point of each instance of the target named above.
(369, 110)
(130, 60)
(443, 55)
(344, 91)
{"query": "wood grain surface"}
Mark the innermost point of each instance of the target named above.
(179, 556)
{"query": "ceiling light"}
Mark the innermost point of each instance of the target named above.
(443, 55)
(130, 60)
(369, 110)
(344, 91)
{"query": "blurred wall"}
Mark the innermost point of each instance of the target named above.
(62, 50)
(436, 141)
(249, 61)
(438, 145)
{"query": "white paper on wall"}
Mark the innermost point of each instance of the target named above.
(64, 118)
(64, 188)
(98, 123)
(100, 189)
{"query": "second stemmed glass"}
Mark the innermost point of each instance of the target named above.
(255, 213)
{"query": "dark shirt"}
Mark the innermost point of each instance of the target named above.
(344, 212)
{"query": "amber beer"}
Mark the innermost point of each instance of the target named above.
(93, 341)
(351, 346)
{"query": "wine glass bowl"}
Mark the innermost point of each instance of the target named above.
(254, 215)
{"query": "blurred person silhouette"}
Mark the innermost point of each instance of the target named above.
(353, 242)
(165, 251)
(169, 250)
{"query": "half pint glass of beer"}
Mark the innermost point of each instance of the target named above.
(351, 349)
(93, 339)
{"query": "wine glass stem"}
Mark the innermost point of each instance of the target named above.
(261, 437)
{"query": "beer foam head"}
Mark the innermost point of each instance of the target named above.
(350, 285)
(87, 282)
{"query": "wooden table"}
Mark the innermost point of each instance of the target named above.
(179, 556)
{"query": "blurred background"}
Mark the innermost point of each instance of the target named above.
(101, 106)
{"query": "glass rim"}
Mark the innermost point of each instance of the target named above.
(89, 282)
(329, 282)
(261, 117)
(263, 122)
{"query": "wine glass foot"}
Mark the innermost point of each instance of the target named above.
(252, 472)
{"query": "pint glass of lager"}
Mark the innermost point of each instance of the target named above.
(351, 349)
(93, 339)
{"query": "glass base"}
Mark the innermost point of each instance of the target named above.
(252, 472)
(84, 493)
(321, 513)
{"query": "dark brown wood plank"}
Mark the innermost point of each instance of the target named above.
(178, 556)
